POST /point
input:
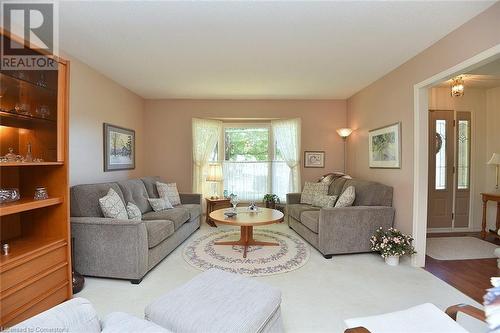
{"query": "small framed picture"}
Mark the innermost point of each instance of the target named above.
(314, 159)
(119, 148)
(385, 147)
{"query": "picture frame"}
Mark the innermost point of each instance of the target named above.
(119, 148)
(384, 147)
(314, 159)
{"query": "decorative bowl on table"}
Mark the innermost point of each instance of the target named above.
(230, 213)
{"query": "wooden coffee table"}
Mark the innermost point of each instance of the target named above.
(246, 220)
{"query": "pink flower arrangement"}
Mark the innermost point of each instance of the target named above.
(392, 243)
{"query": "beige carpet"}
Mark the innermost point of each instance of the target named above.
(459, 248)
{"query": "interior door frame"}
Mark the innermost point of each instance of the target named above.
(420, 139)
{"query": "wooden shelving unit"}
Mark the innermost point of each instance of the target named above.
(36, 274)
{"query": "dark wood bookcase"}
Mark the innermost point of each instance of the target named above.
(36, 274)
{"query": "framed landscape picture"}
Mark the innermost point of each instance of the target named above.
(119, 148)
(314, 159)
(385, 147)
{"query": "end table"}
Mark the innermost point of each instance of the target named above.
(214, 204)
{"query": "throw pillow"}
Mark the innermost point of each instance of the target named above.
(311, 190)
(170, 192)
(134, 213)
(112, 206)
(347, 197)
(324, 201)
(159, 204)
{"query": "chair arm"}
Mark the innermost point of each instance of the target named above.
(110, 247)
(293, 198)
(348, 229)
(190, 198)
(470, 310)
(359, 329)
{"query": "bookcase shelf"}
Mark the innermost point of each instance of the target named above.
(27, 164)
(26, 204)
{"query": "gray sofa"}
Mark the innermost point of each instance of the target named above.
(343, 230)
(127, 249)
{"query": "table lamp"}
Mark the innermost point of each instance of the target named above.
(214, 176)
(495, 160)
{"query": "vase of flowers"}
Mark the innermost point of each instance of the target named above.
(392, 244)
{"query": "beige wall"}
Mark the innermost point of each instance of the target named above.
(492, 144)
(390, 99)
(95, 99)
(168, 137)
(473, 101)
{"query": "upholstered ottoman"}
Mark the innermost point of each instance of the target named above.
(216, 301)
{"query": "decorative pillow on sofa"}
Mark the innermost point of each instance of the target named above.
(159, 204)
(133, 212)
(311, 190)
(347, 197)
(324, 201)
(170, 192)
(112, 206)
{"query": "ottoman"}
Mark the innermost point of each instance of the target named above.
(216, 301)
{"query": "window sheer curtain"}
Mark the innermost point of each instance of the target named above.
(206, 134)
(287, 136)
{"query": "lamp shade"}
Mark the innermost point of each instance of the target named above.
(214, 173)
(344, 132)
(495, 159)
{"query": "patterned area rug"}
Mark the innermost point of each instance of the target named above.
(291, 254)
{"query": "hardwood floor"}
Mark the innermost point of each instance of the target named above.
(472, 277)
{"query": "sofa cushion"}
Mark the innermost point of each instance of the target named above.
(324, 201)
(194, 210)
(312, 190)
(112, 206)
(158, 231)
(178, 215)
(119, 322)
(347, 197)
(160, 204)
(133, 212)
(170, 192)
(85, 198)
(370, 193)
(135, 192)
(224, 302)
(310, 219)
(337, 186)
(150, 184)
(75, 315)
(295, 210)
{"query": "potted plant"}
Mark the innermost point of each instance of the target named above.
(392, 244)
(271, 200)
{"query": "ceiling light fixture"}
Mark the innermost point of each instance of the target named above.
(457, 86)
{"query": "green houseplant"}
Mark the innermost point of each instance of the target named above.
(271, 200)
(392, 244)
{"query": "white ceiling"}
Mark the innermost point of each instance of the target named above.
(254, 49)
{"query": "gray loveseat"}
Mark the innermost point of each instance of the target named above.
(127, 249)
(343, 230)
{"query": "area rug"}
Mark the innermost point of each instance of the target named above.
(459, 248)
(291, 253)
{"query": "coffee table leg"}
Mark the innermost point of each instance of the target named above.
(246, 240)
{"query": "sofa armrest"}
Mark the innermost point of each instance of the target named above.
(110, 247)
(348, 229)
(190, 198)
(293, 198)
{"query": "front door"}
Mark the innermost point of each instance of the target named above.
(449, 169)
(441, 160)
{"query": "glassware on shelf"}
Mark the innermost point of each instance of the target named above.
(5, 249)
(29, 155)
(9, 195)
(42, 111)
(41, 193)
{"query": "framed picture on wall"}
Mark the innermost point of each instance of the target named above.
(119, 148)
(385, 147)
(314, 159)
